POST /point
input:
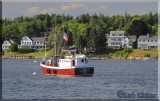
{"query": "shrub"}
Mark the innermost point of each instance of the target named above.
(26, 50)
(117, 53)
(146, 55)
(13, 48)
(8, 50)
(124, 53)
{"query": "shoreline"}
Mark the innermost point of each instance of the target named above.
(89, 57)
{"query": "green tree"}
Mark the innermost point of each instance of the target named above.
(138, 27)
(13, 47)
(92, 42)
(101, 39)
(134, 45)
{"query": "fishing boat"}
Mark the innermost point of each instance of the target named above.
(70, 64)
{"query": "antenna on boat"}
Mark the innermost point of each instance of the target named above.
(45, 45)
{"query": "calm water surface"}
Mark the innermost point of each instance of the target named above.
(18, 81)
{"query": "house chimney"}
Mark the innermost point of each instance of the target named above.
(147, 35)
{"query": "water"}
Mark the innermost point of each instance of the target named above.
(18, 81)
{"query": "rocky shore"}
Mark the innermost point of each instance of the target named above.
(122, 58)
(90, 57)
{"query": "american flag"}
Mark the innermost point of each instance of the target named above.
(65, 36)
(47, 40)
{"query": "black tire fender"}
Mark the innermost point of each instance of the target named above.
(49, 71)
(55, 71)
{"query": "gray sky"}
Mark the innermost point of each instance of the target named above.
(30, 8)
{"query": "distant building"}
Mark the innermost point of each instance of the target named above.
(131, 38)
(7, 43)
(48, 32)
(118, 39)
(147, 42)
(37, 43)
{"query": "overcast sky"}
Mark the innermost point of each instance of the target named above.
(29, 8)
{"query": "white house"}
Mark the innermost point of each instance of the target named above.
(37, 43)
(147, 42)
(118, 39)
(7, 43)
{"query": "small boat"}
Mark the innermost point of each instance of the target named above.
(69, 65)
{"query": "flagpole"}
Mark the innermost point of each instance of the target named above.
(62, 36)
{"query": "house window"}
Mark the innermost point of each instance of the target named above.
(139, 40)
(155, 40)
(143, 40)
(37, 42)
(148, 40)
(151, 40)
(113, 34)
(40, 46)
(25, 42)
(41, 42)
(119, 39)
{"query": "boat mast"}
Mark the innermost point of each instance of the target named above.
(45, 45)
(55, 36)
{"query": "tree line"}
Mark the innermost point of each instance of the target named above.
(85, 31)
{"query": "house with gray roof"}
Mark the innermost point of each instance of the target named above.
(147, 42)
(7, 43)
(37, 43)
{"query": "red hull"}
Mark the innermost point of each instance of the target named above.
(47, 71)
(71, 72)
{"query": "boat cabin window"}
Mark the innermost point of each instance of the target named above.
(82, 60)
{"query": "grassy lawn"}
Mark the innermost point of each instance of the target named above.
(134, 53)
(26, 54)
(50, 52)
(142, 53)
